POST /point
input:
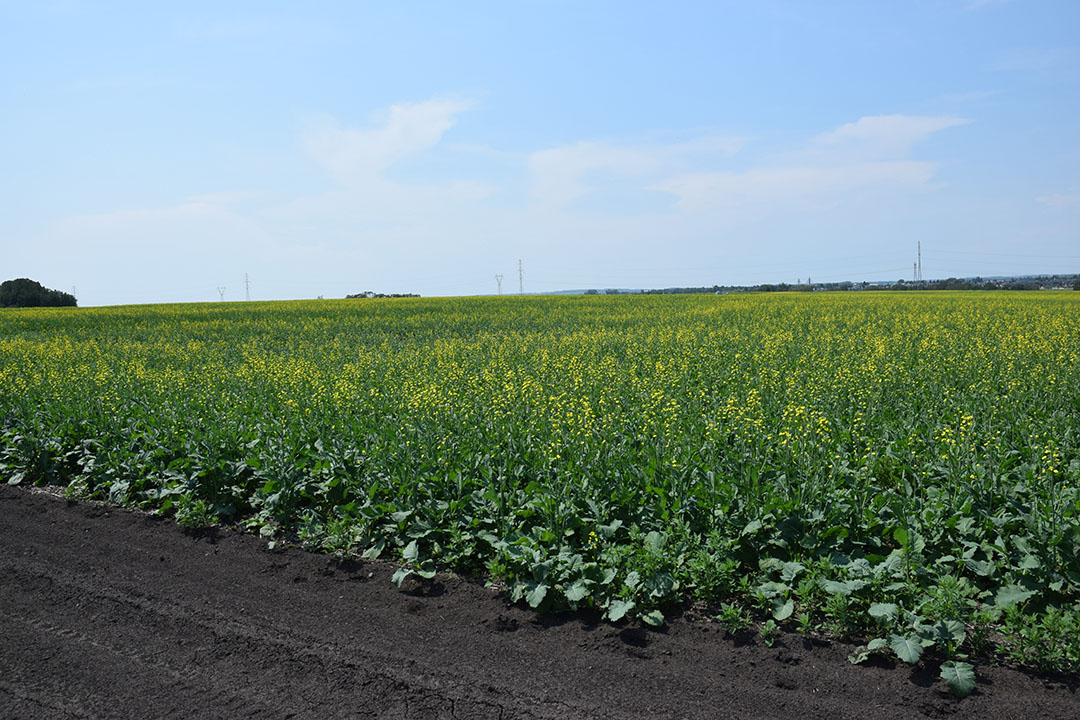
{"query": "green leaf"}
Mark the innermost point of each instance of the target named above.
(959, 676)
(900, 535)
(536, 596)
(908, 649)
(375, 550)
(1010, 595)
(660, 584)
(773, 589)
(984, 568)
(834, 587)
(411, 552)
(791, 570)
(609, 530)
(618, 609)
(655, 541)
(633, 579)
(399, 576)
(751, 527)
(877, 644)
(858, 656)
(577, 592)
(782, 608)
(887, 612)
(953, 630)
(654, 618)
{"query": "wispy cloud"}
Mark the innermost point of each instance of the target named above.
(888, 135)
(563, 174)
(357, 155)
(589, 200)
(1060, 201)
(792, 189)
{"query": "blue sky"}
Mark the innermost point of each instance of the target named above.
(152, 152)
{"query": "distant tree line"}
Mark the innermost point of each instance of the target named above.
(1040, 282)
(370, 294)
(24, 292)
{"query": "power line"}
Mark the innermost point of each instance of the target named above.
(247, 288)
(221, 292)
(498, 279)
(521, 278)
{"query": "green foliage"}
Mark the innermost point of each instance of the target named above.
(895, 467)
(959, 676)
(25, 293)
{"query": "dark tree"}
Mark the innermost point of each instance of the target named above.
(24, 292)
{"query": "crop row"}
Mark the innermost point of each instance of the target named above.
(898, 466)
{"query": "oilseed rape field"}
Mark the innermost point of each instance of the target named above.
(900, 468)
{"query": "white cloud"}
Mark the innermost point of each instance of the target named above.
(1060, 201)
(356, 156)
(572, 209)
(805, 188)
(890, 135)
(857, 159)
(562, 174)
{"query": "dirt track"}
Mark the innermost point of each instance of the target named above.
(106, 613)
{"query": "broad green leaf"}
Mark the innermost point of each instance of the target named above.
(536, 596)
(959, 676)
(918, 542)
(577, 592)
(618, 609)
(655, 541)
(908, 649)
(375, 550)
(1011, 595)
(660, 584)
(953, 630)
(772, 589)
(654, 618)
(411, 552)
(751, 527)
(399, 576)
(609, 530)
(633, 579)
(984, 568)
(791, 570)
(835, 587)
(887, 612)
(877, 644)
(782, 608)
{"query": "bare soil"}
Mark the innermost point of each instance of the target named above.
(109, 613)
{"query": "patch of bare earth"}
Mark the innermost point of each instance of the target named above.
(107, 613)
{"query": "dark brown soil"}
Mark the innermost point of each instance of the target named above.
(107, 613)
